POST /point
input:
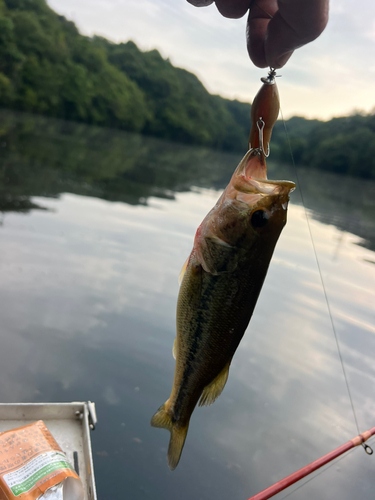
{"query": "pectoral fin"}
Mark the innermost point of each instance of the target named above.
(174, 350)
(213, 390)
(220, 257)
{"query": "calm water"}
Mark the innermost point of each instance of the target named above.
(95, 226)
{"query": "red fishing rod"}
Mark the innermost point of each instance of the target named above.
(308, 469)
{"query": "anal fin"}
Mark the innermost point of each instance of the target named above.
(213, 390)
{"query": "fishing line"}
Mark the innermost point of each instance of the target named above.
(260, 8)
(321, 277)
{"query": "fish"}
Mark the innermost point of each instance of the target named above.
(222, 278)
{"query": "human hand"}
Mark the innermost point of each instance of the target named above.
(275, 28)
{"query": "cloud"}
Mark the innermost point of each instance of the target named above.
(332, 76)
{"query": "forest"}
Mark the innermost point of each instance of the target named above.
(47, 67)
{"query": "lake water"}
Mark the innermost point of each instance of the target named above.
(95, 226)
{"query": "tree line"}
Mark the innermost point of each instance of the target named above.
(47, 67)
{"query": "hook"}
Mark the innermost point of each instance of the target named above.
(260, 127)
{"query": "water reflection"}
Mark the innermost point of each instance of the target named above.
(47, 157)
(87, 306)
(44, 157)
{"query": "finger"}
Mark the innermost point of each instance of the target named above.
(259, 18)
(233, 9)
(296, 23)
(201, 3)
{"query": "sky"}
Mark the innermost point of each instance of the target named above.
(332, 76)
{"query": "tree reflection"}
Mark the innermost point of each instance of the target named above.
(17, 204)
(46, 157)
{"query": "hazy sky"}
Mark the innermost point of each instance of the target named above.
(332, 76)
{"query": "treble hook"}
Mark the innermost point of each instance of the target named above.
(260, 149)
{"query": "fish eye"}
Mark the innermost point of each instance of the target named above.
(259, 219)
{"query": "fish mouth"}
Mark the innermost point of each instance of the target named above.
(251, 177)
(271, 188)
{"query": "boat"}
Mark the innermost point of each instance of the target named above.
(69, 423)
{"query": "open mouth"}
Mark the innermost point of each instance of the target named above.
(254, 165)
(251, 178)
(271, 188)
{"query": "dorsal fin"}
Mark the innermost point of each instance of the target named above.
(174, 350)
(182, 272)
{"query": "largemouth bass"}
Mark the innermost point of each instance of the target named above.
(221, 282)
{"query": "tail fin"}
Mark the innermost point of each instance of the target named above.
(163, 419)
(176, 443)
